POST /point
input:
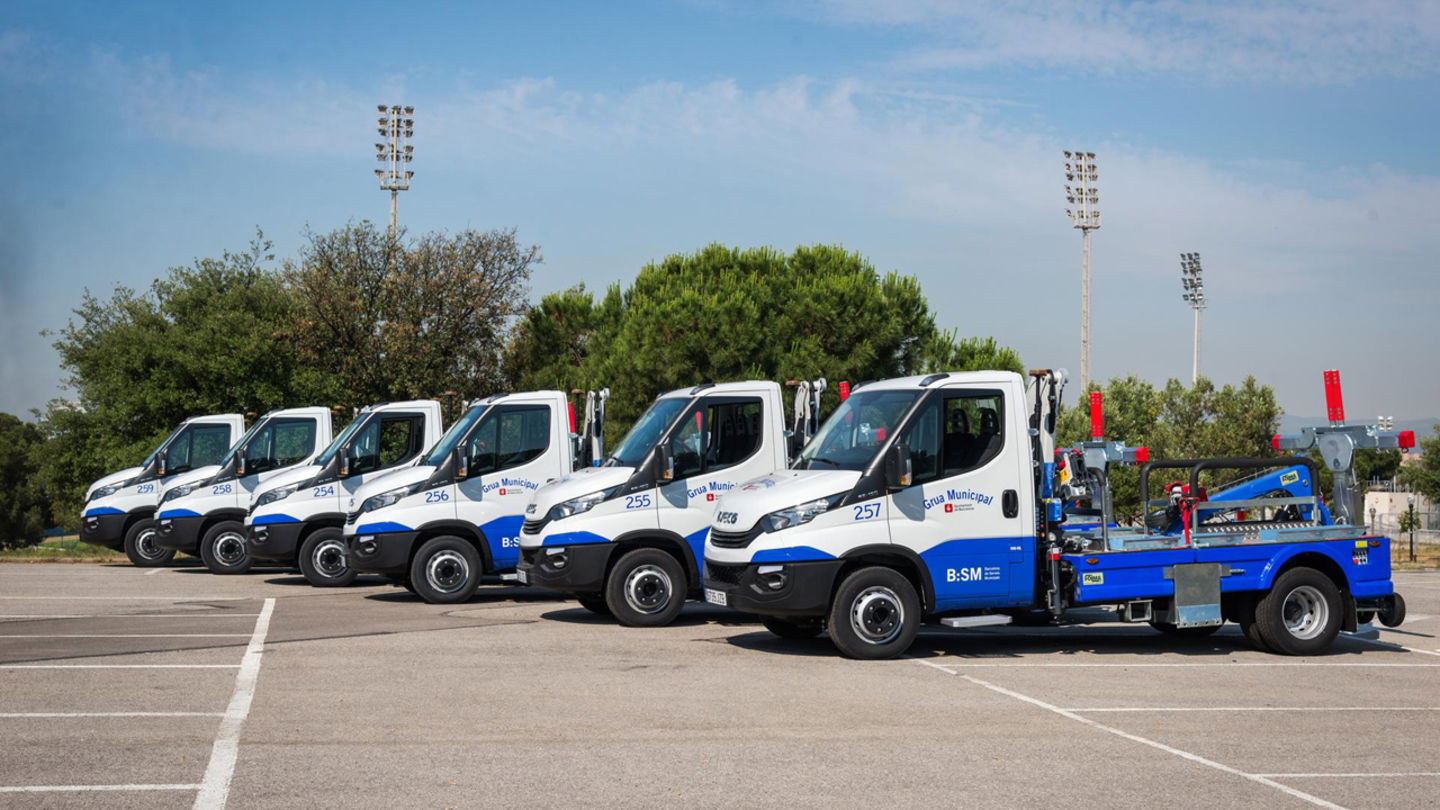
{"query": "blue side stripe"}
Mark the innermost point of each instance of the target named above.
(381, 527)
(277, 518)
(790, 554)
(177, 513)
(103, 510)
(574, 539)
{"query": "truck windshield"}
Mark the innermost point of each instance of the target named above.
(161, 446)
(853, 434)
(350, 429)
(453, 436)
(235, 448)
(646, 432)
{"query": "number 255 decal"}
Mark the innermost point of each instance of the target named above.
(637, 501)
(866, 511)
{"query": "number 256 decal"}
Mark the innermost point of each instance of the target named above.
(437, 495)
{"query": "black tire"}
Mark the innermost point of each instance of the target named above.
(140, 545)
(1185, 632)
(646, 588)
(1364, 616)
(1252, 633)
(1301, 613)
(1393, 614)
(223, 548)
(793, 628)
(875, 614)
(446, 570)
(594, 602)
(323, 560)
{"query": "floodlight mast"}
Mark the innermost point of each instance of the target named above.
(1192, 281)
(395, 126)
(1080, 170)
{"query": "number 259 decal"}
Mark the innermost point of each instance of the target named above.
(637, 501)
(866, 511)
(144, 488)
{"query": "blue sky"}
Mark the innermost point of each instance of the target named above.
(1289, 144)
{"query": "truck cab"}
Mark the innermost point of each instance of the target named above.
(206, 516)
(933, 499)
(626, 537)
(119, 511)
(298, 518)
(441, 524)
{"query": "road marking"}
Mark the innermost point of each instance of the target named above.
(127, 635)
(155, 571)
(1073, 665)
(71, 788)
(120, 666)
(181, 598)
(1392, 646)
(1262, 709)
(1343, 775)
(215, 786)
(14, 715)
(1196, 758)
(195, 615)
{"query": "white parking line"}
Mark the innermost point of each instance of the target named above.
(119, 666)
(1260, 709)
(72, 788)
(15, 715)
(127, 635)
(155, 571)
(966, 662)
(1343, 775)
(215, 786)
(1392, 646)
(195, 615)
(180, 598)
(1196, 758)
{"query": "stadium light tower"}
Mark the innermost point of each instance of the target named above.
(1192, 280)
(1080, 170)
(395, 126)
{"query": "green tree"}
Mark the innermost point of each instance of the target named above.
(380, 319)
(24, 511)
(207, 338)
(1424, 476)
(728, 314)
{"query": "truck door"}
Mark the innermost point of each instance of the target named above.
(509, 456)
(716, 445)
(390, 439)
(963, 511)
(280, 443)
(199, 444)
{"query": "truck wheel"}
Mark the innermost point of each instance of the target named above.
(875, 615)
(1252, 632)
(1185, 632)
(140, 545)
(793, 628)
(1301, 613)
(594, 602)
(1364, 616)
(445, 570)
(1394, 611)
(646, 588)
(223, 550)
(322, 559)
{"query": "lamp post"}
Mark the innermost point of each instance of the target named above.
(395, 126)
(1193, 282)
(1080, 170)
(1412, 527)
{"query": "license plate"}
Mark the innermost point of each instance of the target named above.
(715, 597)
(522, 576)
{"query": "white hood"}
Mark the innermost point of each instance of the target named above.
(572, 486)
(294, 475)
(113, 478)
(781, 489)
(402, 477)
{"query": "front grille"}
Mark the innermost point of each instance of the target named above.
(533, 526)
(531, 555)
(734, 539)
(351, 517)
(722, 573)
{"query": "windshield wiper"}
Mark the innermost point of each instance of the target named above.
(826, 460)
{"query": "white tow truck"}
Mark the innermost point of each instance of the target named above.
(298, 518)
(440, 525)
(119, 511)
(940, 498)
(206, 516)
(626, 537)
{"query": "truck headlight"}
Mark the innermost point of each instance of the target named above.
(576, 506)
(111, 489)
(801, 513)
(178, 492)
(276, 494)
(391, 497)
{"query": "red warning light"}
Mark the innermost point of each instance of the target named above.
(1142, 454)
(1334, 400)
(844, 390)
(1097, 415)
(1275, 442)
(1405, 439)
(570, 408)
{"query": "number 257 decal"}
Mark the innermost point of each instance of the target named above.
(866, 511)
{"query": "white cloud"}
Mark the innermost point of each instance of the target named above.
(1310, 42)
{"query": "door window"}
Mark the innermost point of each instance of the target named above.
(384, 442)
(974, 431)
(280, 443)
(922, 436)
(716, 434)
(517, 434)
(197, 446)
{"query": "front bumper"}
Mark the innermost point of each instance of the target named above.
(583, 570)
(274, 541)
(180, 533)
(380, 552)
(806, 591)
(104, 530)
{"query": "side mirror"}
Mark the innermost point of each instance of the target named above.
(462, 464)
(161, 468)
(666, 461)
(240, 462)
(898, 470)
(344, 462)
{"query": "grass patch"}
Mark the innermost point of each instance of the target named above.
(1427, 555)
(61, 549)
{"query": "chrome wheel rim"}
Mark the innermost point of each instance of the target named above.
(447, 571)
(329, 558)
(648, 589)
(1306, 612)
(230, 548)
(145, 545)
(877, 615)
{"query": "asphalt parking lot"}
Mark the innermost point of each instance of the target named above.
(175, 688)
